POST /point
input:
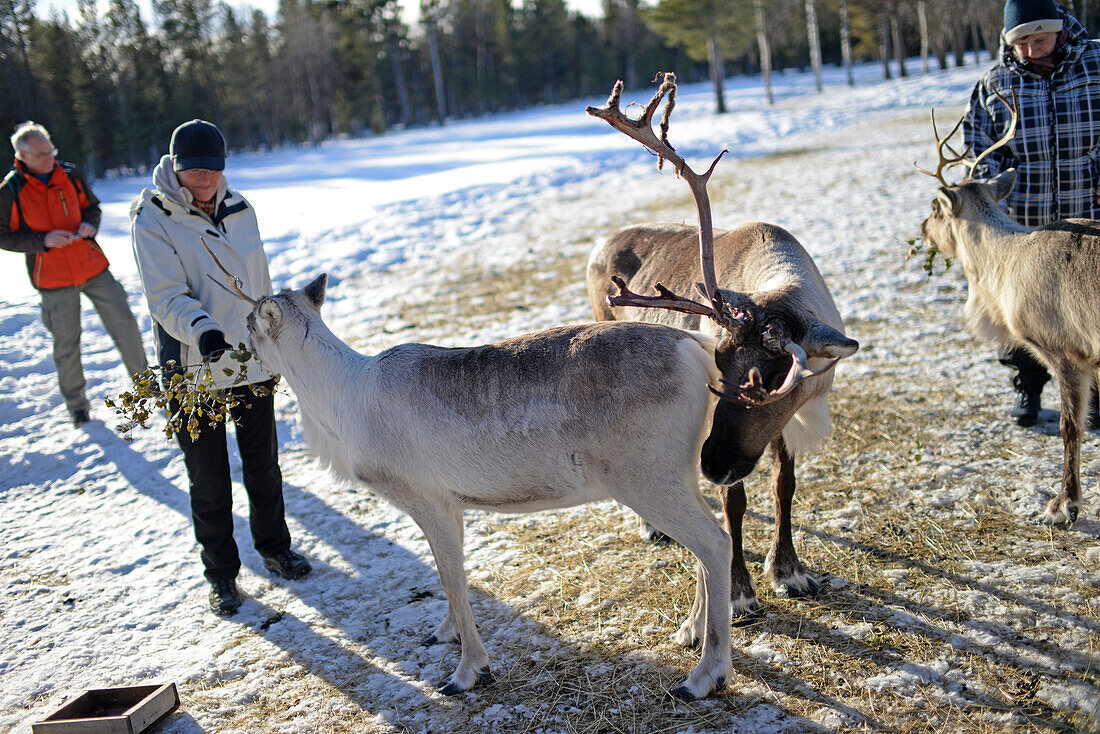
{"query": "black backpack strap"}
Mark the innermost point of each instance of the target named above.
(15, 182)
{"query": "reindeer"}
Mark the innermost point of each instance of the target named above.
(1029, 287)
(778, 333)
(557, 418)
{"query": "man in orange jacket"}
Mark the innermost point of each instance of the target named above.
(48, 212)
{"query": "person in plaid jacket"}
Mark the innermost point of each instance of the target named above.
(1048, 62)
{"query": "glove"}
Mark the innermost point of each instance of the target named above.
(212, 345)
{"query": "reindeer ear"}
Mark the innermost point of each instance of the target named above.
(1002, 183)
(823, 340)
(949, 199)
(315, 291)
(270, 310)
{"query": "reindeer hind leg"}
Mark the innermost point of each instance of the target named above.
(1075, 386)
(443, 529)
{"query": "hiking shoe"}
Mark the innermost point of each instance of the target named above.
(225, 600)
(1026, 409)
(80, 417)
(288, 564)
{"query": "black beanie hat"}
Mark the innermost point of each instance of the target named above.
(1024, 17)
(197, 144)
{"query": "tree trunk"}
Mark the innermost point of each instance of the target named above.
(899, 41)
(922, 14)
(815, 41)
(959, 43)
(884, 42)
(846, 41)
(399, 80)
(765, 50)
(437, 69)
(717, 73)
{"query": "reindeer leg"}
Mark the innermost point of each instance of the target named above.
(1075, 387)
(742, 587)
(443, 529)
(685, 516)
(787, 574)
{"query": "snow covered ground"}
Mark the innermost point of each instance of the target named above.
(480, 230)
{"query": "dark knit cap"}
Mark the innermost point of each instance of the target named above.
(197, 144)
(1024, 17)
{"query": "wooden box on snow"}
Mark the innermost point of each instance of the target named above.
(126, 710)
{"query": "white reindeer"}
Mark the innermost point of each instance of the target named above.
(779, 335)
(1027, 287)
(562, 417)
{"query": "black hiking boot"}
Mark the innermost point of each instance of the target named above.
(288, 564)
(225, 600)
(1026, 409)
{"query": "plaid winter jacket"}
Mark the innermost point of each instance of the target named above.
(1056, 149)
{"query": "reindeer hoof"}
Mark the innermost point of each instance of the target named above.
(1059, 512)
(796, 585)
(451, 690)
(484, 677)
(745, 606)
(684, 693)
(655, 536)
(429, 641)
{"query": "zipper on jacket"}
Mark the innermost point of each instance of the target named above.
(64, 204)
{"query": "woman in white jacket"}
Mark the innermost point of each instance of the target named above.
(195, 321)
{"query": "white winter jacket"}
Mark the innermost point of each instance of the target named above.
(165, 232)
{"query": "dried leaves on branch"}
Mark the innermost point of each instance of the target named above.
(186, 395)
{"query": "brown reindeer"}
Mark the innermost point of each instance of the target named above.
(779, 336)
(1027, 287)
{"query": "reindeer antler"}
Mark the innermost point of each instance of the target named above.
(641, 129)
(942, 143)
(238, 286)
(960, 158)
(1011, 131)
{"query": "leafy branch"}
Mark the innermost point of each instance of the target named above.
(916, 245)
(185, 394)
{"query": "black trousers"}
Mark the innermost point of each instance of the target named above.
(207, 462)
(1029, 375)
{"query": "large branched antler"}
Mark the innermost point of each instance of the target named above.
(960, 158)
(641, 129)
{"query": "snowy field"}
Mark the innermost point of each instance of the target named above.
(944, 607)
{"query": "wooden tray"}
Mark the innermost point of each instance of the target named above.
(126, 710)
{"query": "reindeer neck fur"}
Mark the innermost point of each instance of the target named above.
(989, 243)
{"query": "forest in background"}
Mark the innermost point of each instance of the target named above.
(110, 85)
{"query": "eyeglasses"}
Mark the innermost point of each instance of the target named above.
(47, 154)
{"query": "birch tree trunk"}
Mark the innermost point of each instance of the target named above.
(765, 51)
(437, 67)
(884, 41)
(922, 15)
(846, 42)
(815, 41)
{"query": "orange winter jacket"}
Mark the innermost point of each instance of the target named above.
(29, 209)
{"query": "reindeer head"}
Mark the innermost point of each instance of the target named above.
(969, 199)
(281, 323)
(954, 206)
(771, 369)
